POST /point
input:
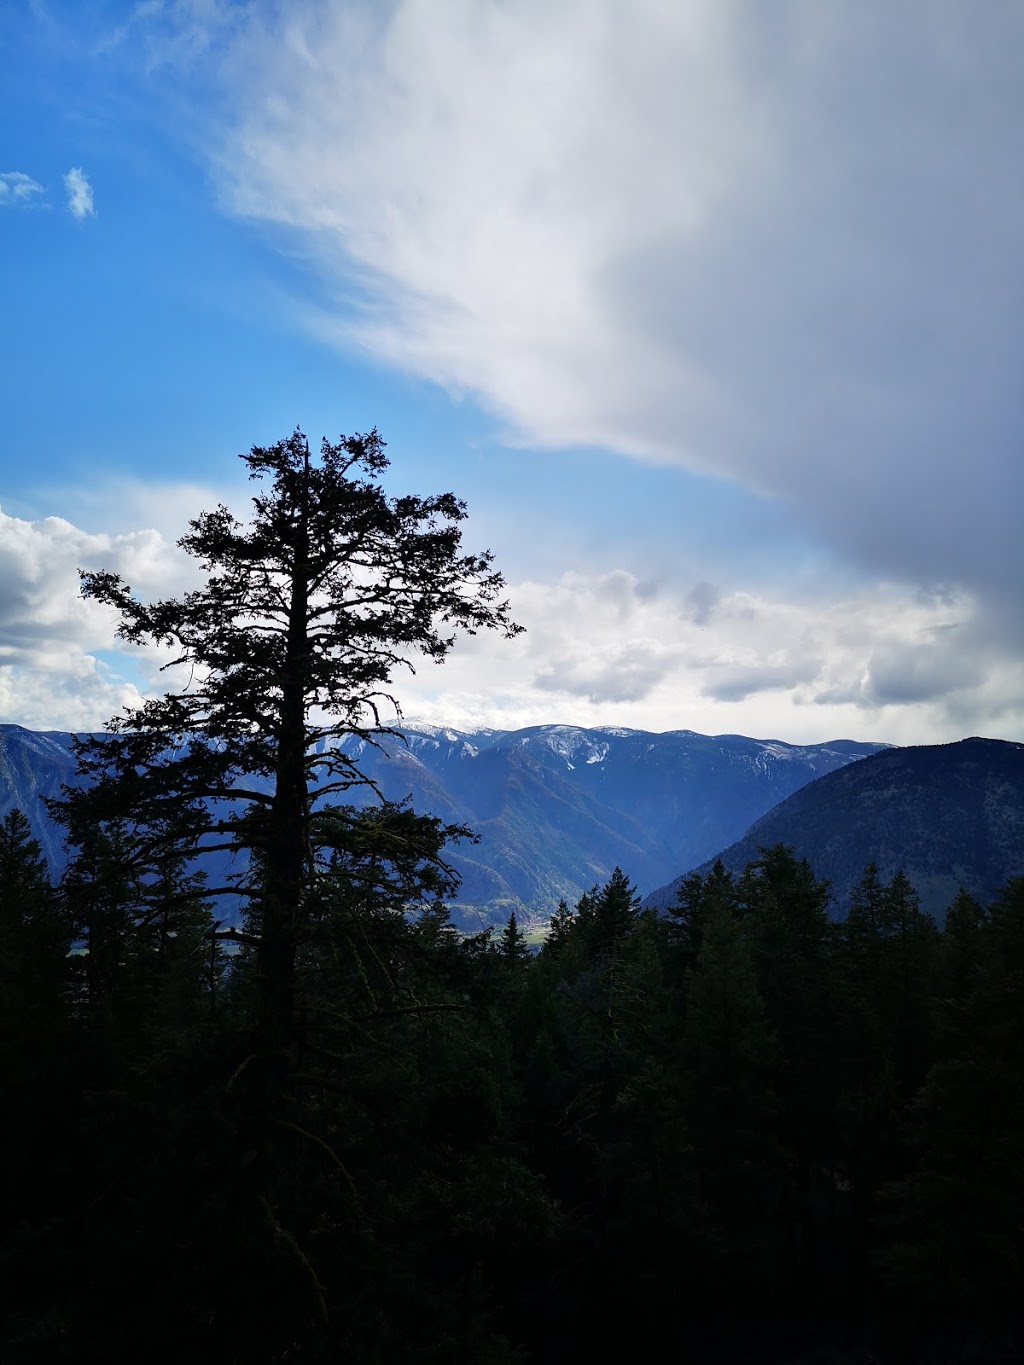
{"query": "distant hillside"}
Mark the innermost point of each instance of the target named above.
(555, 807)
(950, 815)
(34, 764)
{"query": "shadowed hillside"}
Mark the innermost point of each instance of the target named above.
(950, 815)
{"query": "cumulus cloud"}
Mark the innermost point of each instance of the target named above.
(701, 600)
(884, 663)
(601, 648)
(905, 673)
(79, 192)
(617, 673)
(17, 188)
(60, 666)
(780, 247)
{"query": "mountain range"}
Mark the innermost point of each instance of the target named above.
(555, 807)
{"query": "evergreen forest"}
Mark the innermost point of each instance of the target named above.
(333, 1128)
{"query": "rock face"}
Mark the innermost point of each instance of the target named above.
(949, 815)
(555, 807)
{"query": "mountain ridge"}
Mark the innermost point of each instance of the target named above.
(556, 807)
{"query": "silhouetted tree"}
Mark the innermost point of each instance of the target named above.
(291, 645)
(512, 944)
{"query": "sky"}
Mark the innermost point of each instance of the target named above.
(711, 310)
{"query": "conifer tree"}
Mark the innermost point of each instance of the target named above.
(865, 1044)
(562, 922)
(864, 926)
(960, 952)
(607, 917)
(730, 1063)
(697, 897)
(727, 1033)
(34, 941)
(24, 879)
(955, 1221)
(291, 645)
(512, 945)
(34, 936)
(783, 907)
(907, 973)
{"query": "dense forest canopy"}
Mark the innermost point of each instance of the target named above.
(735, 1129)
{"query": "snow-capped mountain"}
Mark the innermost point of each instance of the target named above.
(555, 807)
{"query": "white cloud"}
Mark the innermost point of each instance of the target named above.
(781, 247)
(882, 664)
(79, 191)
(601, 648)
(50, 675)
(18, 188)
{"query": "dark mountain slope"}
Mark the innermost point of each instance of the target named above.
(950, 815)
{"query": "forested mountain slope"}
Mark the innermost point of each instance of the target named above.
(949, 815)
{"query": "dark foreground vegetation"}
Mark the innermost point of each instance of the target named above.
(738, 1127)
(733, 1132)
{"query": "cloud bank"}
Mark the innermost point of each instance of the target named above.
(884, 663)
(600, 648)
(60, 665)
(778, 246)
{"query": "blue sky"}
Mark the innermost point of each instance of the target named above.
(711, 311)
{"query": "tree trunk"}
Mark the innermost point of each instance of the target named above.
(285, 867)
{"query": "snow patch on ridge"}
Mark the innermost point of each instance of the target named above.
(785, 751)
(571, 743)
